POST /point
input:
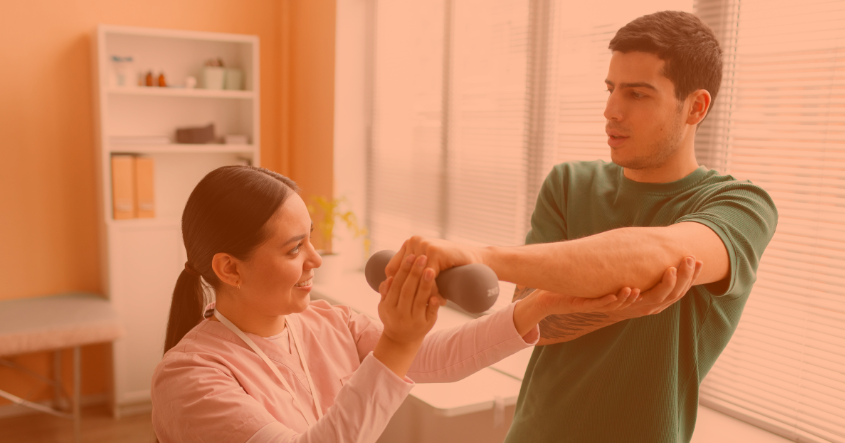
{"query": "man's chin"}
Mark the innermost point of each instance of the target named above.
(622, 160)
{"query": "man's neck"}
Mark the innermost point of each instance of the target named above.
(681, 164)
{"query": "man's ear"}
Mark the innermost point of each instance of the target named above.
(699, 105)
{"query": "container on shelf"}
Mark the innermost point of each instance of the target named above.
(234, 79)
(213, 77)
(121, 72)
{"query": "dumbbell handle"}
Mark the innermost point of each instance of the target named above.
(473, 287)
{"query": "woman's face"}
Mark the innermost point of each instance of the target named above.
(277, 279)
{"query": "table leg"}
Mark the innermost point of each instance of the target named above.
(77, 357)
(58, 399)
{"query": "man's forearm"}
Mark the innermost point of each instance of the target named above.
(566, 327)
(591, 266)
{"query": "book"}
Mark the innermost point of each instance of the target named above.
(144, 192)
(123, 186)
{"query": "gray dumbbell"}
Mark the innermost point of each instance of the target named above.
(473, 287)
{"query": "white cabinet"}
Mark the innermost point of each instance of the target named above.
(143, 257)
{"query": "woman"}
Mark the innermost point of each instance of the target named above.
(270, 364)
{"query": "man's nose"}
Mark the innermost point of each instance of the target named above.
(612, 109)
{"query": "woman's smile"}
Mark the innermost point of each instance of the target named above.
(305, 285)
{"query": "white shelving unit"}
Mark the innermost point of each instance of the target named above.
(143, 257)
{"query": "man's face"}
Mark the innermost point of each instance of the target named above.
(644, 119)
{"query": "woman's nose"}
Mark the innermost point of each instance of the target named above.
(314, 259)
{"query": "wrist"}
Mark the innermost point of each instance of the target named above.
(527, 314)
(486, 255)
(396, 356)
(399, 345)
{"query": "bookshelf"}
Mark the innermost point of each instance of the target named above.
(181, 92)
(142, 257)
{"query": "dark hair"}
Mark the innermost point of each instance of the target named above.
(226, 212)
(687, 45)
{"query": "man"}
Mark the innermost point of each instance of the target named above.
(599, 226)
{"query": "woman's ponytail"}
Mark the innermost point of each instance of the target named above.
(226, 212)
(185, 307)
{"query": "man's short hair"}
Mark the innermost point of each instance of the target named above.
(688, 46)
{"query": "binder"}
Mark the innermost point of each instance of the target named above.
(123, 186)
(144, 193)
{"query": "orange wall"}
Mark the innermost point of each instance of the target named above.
(48, 226)
(311, 96)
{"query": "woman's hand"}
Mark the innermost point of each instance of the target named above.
(674, 285)
(626, 304)
(408, 310)
(540, 304)
(552, 303)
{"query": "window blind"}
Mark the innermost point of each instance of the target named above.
(405, 154)
(784, 369)
(486, 161)
(447, 156)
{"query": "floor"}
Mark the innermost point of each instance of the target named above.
(98, 426)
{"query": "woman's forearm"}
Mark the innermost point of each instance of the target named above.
(449, 355)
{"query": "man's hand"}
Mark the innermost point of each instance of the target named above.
(441, 254)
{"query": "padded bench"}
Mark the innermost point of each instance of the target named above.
(53, 323)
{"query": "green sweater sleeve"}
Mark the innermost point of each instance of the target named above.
(548, 223)
(744, 217)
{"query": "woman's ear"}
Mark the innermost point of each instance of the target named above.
(227, 269)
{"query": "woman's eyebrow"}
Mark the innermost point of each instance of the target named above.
(298, 237)
(294, 239)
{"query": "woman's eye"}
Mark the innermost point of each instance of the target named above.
(296, 249)
(637, 95)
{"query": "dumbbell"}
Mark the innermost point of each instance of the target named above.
(473, 287)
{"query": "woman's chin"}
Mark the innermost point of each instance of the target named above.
(302, 303)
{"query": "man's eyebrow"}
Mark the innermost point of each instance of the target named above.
(632, 85)
(298, 237)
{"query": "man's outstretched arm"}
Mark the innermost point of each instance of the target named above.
(602, 263)
(587, 267)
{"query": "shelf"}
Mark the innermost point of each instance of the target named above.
(146, 223)
(180, 149)
(180, 92)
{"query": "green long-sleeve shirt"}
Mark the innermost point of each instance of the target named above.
(638, 380)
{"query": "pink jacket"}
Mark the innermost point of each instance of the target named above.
(212, 387)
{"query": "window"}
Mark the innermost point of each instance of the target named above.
(782, 126)
(475, 101)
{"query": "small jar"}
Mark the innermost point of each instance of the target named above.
(121, 71)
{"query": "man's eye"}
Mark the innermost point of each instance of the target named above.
(296, 249)
(637, 95)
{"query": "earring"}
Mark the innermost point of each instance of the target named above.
(239, 286)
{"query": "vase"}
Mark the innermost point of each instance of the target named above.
(213, 77)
